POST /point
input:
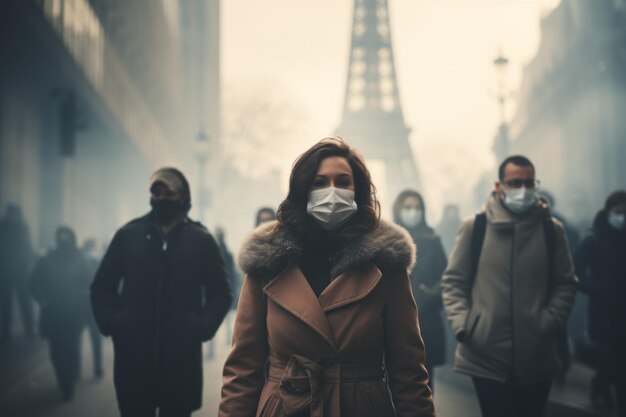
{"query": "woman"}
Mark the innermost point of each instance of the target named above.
(326, 324)
(601, 264)
(409, 212)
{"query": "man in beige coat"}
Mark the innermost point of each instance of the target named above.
(508, 290)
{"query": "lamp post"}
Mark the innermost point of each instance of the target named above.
(501, 65)
(202, 156)
(501, 145)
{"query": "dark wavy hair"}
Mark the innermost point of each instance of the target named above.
(292, 212)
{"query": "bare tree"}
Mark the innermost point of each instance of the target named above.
(263, 127)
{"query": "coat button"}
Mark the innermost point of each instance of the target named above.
(148, 237)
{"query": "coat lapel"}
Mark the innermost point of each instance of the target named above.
(349, 287)
(292, 292)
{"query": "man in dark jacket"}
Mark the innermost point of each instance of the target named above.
(60, 284)
(161, 290)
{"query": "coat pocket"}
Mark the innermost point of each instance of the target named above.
(471, 323)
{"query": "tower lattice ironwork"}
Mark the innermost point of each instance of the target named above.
(372, 115)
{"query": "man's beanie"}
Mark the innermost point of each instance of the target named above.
(174, 180)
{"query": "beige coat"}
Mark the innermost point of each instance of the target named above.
(513, 322)
(339, 355)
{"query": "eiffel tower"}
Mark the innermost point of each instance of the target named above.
(372, 116)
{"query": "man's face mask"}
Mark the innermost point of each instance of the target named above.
(331, 207)
(519, 200)
(166, 210)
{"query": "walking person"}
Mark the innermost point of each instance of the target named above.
(16, 257)
(508, 290)
(234, 280)
(92, 257)
(60, 285)
(326, 303)
(601, 263)
(409, 211)
(265, 215)
(160, 291)
(448, 226)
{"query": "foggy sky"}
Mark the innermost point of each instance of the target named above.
(443, 49)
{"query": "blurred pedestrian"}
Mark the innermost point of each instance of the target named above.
(508, 290)
(60, 285)
(601, 263)
(326, 303)
(16, 257)
(265, 215)
(92, 256)
(448, 226)
(409, 211)
(234, 279)
(160, 291)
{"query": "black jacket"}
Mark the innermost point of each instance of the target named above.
(601, 264)
(160, 298)
(60, 285)
(430, 265)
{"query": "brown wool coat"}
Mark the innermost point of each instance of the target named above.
(354, 352)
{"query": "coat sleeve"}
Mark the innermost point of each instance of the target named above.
(105, 299)
(565, 283)
(404, 351)
(456, 285)
(243, 370)
(217, 296)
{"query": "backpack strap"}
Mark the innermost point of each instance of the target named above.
(476, 246)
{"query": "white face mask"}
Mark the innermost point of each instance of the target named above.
(520, 200)
(617, 220)
(331, 207)
(411, 217)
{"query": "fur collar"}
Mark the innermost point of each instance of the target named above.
(270, 248)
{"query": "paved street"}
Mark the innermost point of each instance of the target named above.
(27, 387)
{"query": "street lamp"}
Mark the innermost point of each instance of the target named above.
(501, 145)
(202, 156)
(501, 65)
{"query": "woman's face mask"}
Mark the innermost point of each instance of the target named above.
(617, 220)
(411, 216)
(331, 207)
